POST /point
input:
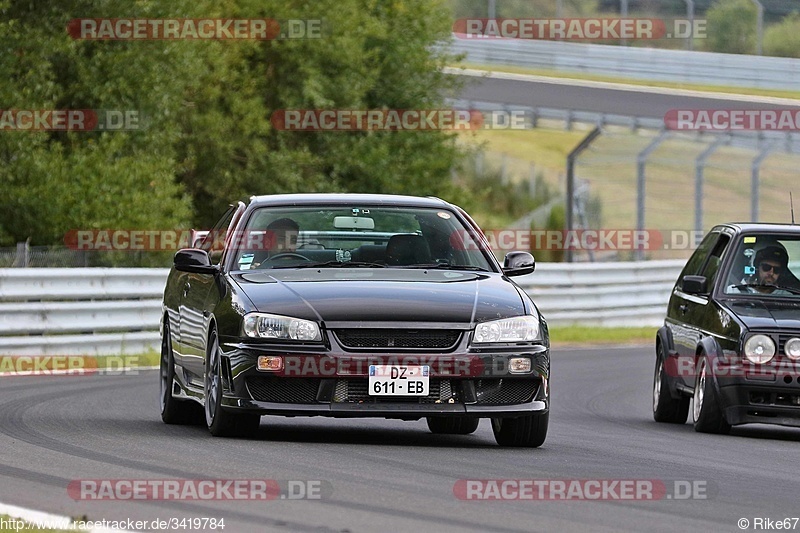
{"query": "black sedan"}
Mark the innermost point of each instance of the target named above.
(348, 305)
(731, 338)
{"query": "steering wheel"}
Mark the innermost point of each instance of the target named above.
(288, 255)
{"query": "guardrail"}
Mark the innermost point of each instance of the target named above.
(99, 311)
(603, 294)
(82, 311)
(678, 66)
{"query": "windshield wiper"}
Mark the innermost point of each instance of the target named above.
(334, 264)
(447, 266)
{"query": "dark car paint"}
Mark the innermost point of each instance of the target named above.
(717, 324)
(337, 297)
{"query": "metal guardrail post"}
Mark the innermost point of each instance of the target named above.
(641, 164)
(22, 259)
(573, 155)
(755, 178)
(700, 163)
(759, 27)
(623, 12)
(690, 16)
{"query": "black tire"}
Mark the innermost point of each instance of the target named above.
(173, 410)
(451, 425)
(527, 431)
(665, 407)
(222, 423)
(706, 412)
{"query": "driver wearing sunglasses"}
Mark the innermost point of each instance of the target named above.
(770, 264)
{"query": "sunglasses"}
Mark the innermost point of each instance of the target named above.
(766, 267)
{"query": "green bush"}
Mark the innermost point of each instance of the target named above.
(732, 27)
(783, 39)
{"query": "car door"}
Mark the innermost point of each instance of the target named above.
(196, 291)
(694, 316)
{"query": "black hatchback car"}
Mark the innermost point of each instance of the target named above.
(349, 305)
(731, 338)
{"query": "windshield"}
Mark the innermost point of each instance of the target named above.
(357, 236)
(766, 265)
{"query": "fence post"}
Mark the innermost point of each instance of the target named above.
(23, 256)
(641, 183)
(573, 155)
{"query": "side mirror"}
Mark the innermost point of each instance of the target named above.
(518, 264)
(195, 261)
(694, 285)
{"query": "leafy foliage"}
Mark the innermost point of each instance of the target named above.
(783, 39)
(206, 106)
(732, 27)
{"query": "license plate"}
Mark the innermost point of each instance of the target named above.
(396, 380)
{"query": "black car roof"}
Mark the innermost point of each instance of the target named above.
(754, 227)
(346, 199)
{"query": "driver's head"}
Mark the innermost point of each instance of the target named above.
(282, 235)
(770, 262)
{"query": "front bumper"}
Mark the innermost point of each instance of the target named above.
(476, 384)
(763, 394)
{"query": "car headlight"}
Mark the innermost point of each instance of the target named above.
(266, 326)
(792, 348)
(517, 329)
(759, 349)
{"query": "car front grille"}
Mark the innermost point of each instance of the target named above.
(357, 391)
(283, 390)
(782, 338)
(419, 339)
(505, 391)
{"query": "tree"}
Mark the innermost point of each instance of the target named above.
(732, 27)
(54, 181)
(783, 39)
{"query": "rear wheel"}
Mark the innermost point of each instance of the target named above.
(173, 410)
(222, 423)
(527, 431)
(665, 407)
(707, 413)
(452, 426)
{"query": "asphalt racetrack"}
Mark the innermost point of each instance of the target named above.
(596, 97)
(385, 475)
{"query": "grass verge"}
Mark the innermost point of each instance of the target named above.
(584, 335)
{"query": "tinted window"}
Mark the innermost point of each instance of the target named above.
(699, 256)
(402, 237)
(765, 264)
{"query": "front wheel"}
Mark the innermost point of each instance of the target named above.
(222, 423)
(173, 410)
(665, 407)
(707, 413)
(452, 426)
(527, 431)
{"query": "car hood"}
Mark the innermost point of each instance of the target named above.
(765, 314)
(382, 295)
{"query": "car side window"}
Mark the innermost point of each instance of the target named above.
(214, 242)
(715, 260)
(698, 259)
